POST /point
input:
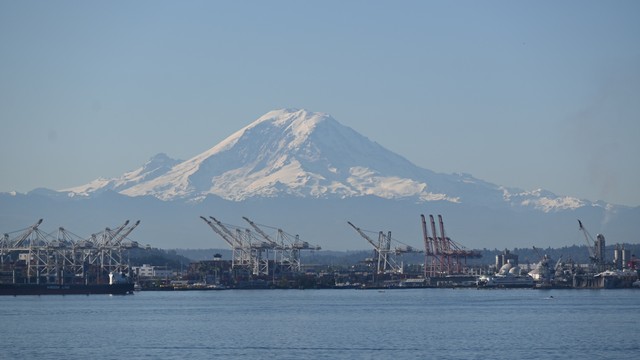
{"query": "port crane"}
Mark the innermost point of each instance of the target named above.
(119, 240)
(254, 254)
(442, 255)
(264, 235)
(241, 250)
(262, 252)
(224, 237)
(104, 251)
(293, 248)
(23, 239)
(33, 247)
(382, 251)
(114, 247)
(73, 251)
(286, 247)
(67, 257)
(107, 258)
(595, 247)
(108, 235)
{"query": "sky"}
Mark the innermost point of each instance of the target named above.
(542, 94)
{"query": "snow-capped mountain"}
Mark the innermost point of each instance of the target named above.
(307, 154)
(293, 152)
(308, 174)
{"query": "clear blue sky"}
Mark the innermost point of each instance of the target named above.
(542, 94)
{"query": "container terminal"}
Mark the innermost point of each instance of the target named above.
(266, 257)
(33, 262)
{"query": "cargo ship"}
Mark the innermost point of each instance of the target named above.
(71, 289)
(118, 285)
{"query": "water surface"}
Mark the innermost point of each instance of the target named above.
(325, 324)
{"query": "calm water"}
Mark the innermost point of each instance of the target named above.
(325, 324)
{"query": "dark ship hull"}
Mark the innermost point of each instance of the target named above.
(71, 289)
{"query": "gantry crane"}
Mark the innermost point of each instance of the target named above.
(278, 248)
(67, 257)
(272, 243)
(250, 254)
(286, 249)
(108, 235)
(241, 251)
(22, 239)
(108, 261)
(119, 240)
(114, 248)
(443, 256)
(293, 248)
(382, 251)
(32, 247)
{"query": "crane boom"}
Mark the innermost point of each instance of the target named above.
(364, 235)
(259, 231)
(588, 239)
(446, 245)
(18, 242)
(428, 245)
(236, 238)
(537, 252)
(112, 234)
(438, 247)
(126, 233)
(217, 231)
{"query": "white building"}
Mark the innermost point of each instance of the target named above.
(149, 271)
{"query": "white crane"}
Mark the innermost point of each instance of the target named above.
(382, 250)
(241, 256)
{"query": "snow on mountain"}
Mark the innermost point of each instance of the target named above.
(288, 151)
(155, 167)
(542, 200)
(308, 154)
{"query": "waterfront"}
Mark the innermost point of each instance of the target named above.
(324, 324)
